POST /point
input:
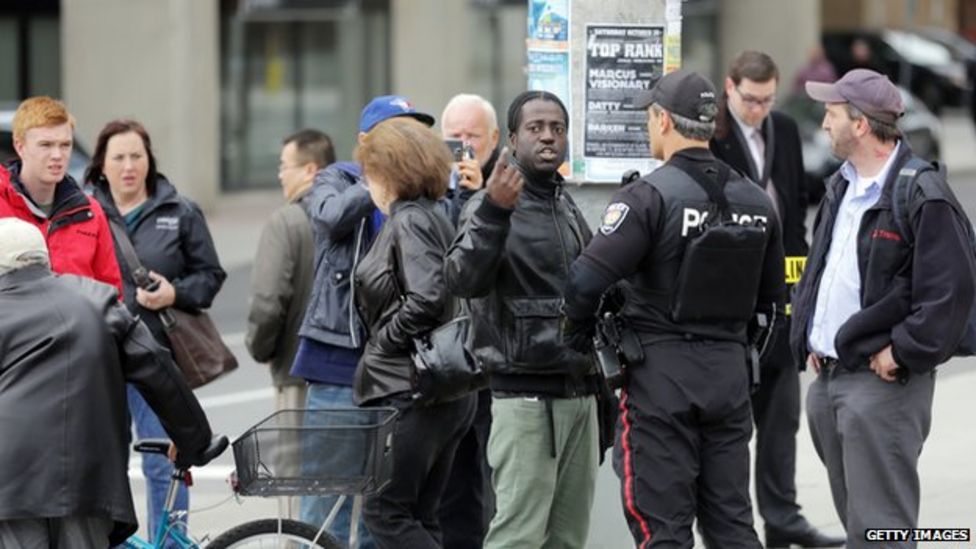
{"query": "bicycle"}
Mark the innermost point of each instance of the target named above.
(265, 466)
(167, 529)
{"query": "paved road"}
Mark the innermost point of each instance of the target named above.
(244, 397)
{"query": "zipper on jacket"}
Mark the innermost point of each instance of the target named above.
(353, 332)
(562, 244)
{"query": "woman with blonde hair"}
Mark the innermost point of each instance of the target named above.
(401, 295)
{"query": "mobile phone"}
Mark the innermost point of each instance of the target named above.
(457, 148)
(141, 278)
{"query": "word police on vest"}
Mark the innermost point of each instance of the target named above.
(694, 219)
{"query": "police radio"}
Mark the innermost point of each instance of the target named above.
(615, 344)
(606, 352)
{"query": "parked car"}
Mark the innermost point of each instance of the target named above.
(79, 155)
(921, 128)
(924, 67)
(961, 49)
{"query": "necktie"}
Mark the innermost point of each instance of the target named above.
(760, 143)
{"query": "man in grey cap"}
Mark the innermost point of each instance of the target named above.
(682, 447)
(67, 349)
(885, 298)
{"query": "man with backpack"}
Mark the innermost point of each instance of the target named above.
(885, 298)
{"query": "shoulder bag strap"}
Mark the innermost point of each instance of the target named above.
(132, 260)
(125, 246)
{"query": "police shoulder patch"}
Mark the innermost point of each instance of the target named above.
(613, 217)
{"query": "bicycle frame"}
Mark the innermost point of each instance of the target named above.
(166, 528)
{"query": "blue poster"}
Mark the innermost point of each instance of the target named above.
(549, 23)
(549, 71)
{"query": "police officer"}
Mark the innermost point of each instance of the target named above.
(685, 423)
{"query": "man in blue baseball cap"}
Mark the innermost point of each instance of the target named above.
(344, 222)
(386, 107)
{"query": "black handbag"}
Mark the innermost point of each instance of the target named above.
(443, 368)
(195, 342)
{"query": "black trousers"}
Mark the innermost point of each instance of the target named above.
(683, 446)
(468, 502)
(776, 410)
(425, 438)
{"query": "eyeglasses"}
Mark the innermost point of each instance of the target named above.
(753, 101)
(284, 168)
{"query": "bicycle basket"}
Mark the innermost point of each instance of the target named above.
(323, 451)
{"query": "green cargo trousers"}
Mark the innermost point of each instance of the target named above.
(542, 501)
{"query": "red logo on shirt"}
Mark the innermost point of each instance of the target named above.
(885, 235)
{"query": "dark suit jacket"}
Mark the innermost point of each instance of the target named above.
(784, 165)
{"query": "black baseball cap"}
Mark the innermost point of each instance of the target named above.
(682, 92)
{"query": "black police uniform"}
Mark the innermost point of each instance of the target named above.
(685, 423)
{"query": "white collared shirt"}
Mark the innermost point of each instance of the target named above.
(749, 133)
(839, 295)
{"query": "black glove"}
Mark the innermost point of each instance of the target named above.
(578, 334)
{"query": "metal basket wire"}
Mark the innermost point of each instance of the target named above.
(313, 452)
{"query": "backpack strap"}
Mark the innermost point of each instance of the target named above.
(902, 192)
(714, 187)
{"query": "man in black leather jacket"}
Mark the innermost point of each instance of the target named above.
(511, 261)
(67, 349)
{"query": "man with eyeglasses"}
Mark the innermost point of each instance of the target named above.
(764, 145)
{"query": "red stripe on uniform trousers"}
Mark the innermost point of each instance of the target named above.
(629, 501)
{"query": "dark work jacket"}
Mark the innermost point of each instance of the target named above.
(512, 265)
(784, 167)
(917, 299)
(67, 349)
(400, 293)
(339, 208)
(647, 246)
(171, 238)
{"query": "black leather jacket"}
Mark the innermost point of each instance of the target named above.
(67, 349)
(512, 266)
(400, 294)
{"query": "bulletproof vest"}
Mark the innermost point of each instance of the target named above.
(654, 305)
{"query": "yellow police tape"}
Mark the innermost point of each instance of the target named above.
(794, 269)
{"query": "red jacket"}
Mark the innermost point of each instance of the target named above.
(77, 233)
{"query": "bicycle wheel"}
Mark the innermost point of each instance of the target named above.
(265, 533)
